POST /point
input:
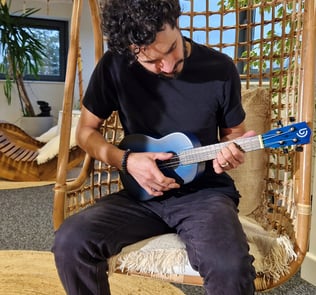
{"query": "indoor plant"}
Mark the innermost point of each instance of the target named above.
(21, 53)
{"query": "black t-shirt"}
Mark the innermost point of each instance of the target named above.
(204, 97)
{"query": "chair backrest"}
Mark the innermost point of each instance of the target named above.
(273, 45)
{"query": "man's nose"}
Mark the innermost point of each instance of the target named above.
(166, 65)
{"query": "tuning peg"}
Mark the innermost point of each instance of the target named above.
(299, 148)
(292, 119)
(271, 199)
(280, 124)
(285, 150)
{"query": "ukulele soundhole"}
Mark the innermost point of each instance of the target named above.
(168, 167)
(170, 164)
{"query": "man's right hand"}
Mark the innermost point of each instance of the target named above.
(143, 167)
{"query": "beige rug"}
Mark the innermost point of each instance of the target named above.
(34, 273)
(22, 184)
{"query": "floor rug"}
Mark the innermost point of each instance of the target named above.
(22, 184)
(34, 273)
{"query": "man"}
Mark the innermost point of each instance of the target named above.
(160, 82)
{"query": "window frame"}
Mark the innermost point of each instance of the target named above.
(50, 24)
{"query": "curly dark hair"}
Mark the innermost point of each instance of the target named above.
(127, 22)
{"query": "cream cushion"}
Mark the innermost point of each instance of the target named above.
(249, 177)
(165, 255)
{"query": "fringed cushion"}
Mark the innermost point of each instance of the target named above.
(166, 255)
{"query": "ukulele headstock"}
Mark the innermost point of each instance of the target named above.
(292, 135)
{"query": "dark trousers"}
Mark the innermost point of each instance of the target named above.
(207, 223)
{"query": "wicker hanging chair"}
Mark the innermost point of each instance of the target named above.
(274, 49)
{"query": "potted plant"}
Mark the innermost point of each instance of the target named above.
(22, 53)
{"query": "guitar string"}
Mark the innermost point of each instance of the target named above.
(174, 161)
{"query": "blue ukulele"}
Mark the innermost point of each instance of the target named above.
(189, 157)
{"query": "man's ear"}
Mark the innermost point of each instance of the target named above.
(135, 49)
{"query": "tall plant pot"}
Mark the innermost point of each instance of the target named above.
(36, 126)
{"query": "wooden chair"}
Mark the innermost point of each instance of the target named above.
(274, 48)
(23, 158)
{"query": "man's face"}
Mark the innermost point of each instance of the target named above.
(165, 55)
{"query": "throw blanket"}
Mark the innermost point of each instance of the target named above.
(51, 147)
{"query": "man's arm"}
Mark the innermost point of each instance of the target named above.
(231, 156)
(142, 166)
(91, 140)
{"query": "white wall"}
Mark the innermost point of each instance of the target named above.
(51, 92)
(87, 46)
(309, 264)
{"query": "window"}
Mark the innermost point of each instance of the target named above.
(54, 36)
(241, 41)
(207, 23)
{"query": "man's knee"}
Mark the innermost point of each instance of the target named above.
(235, 274)
(227, 269)
(68, 240)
